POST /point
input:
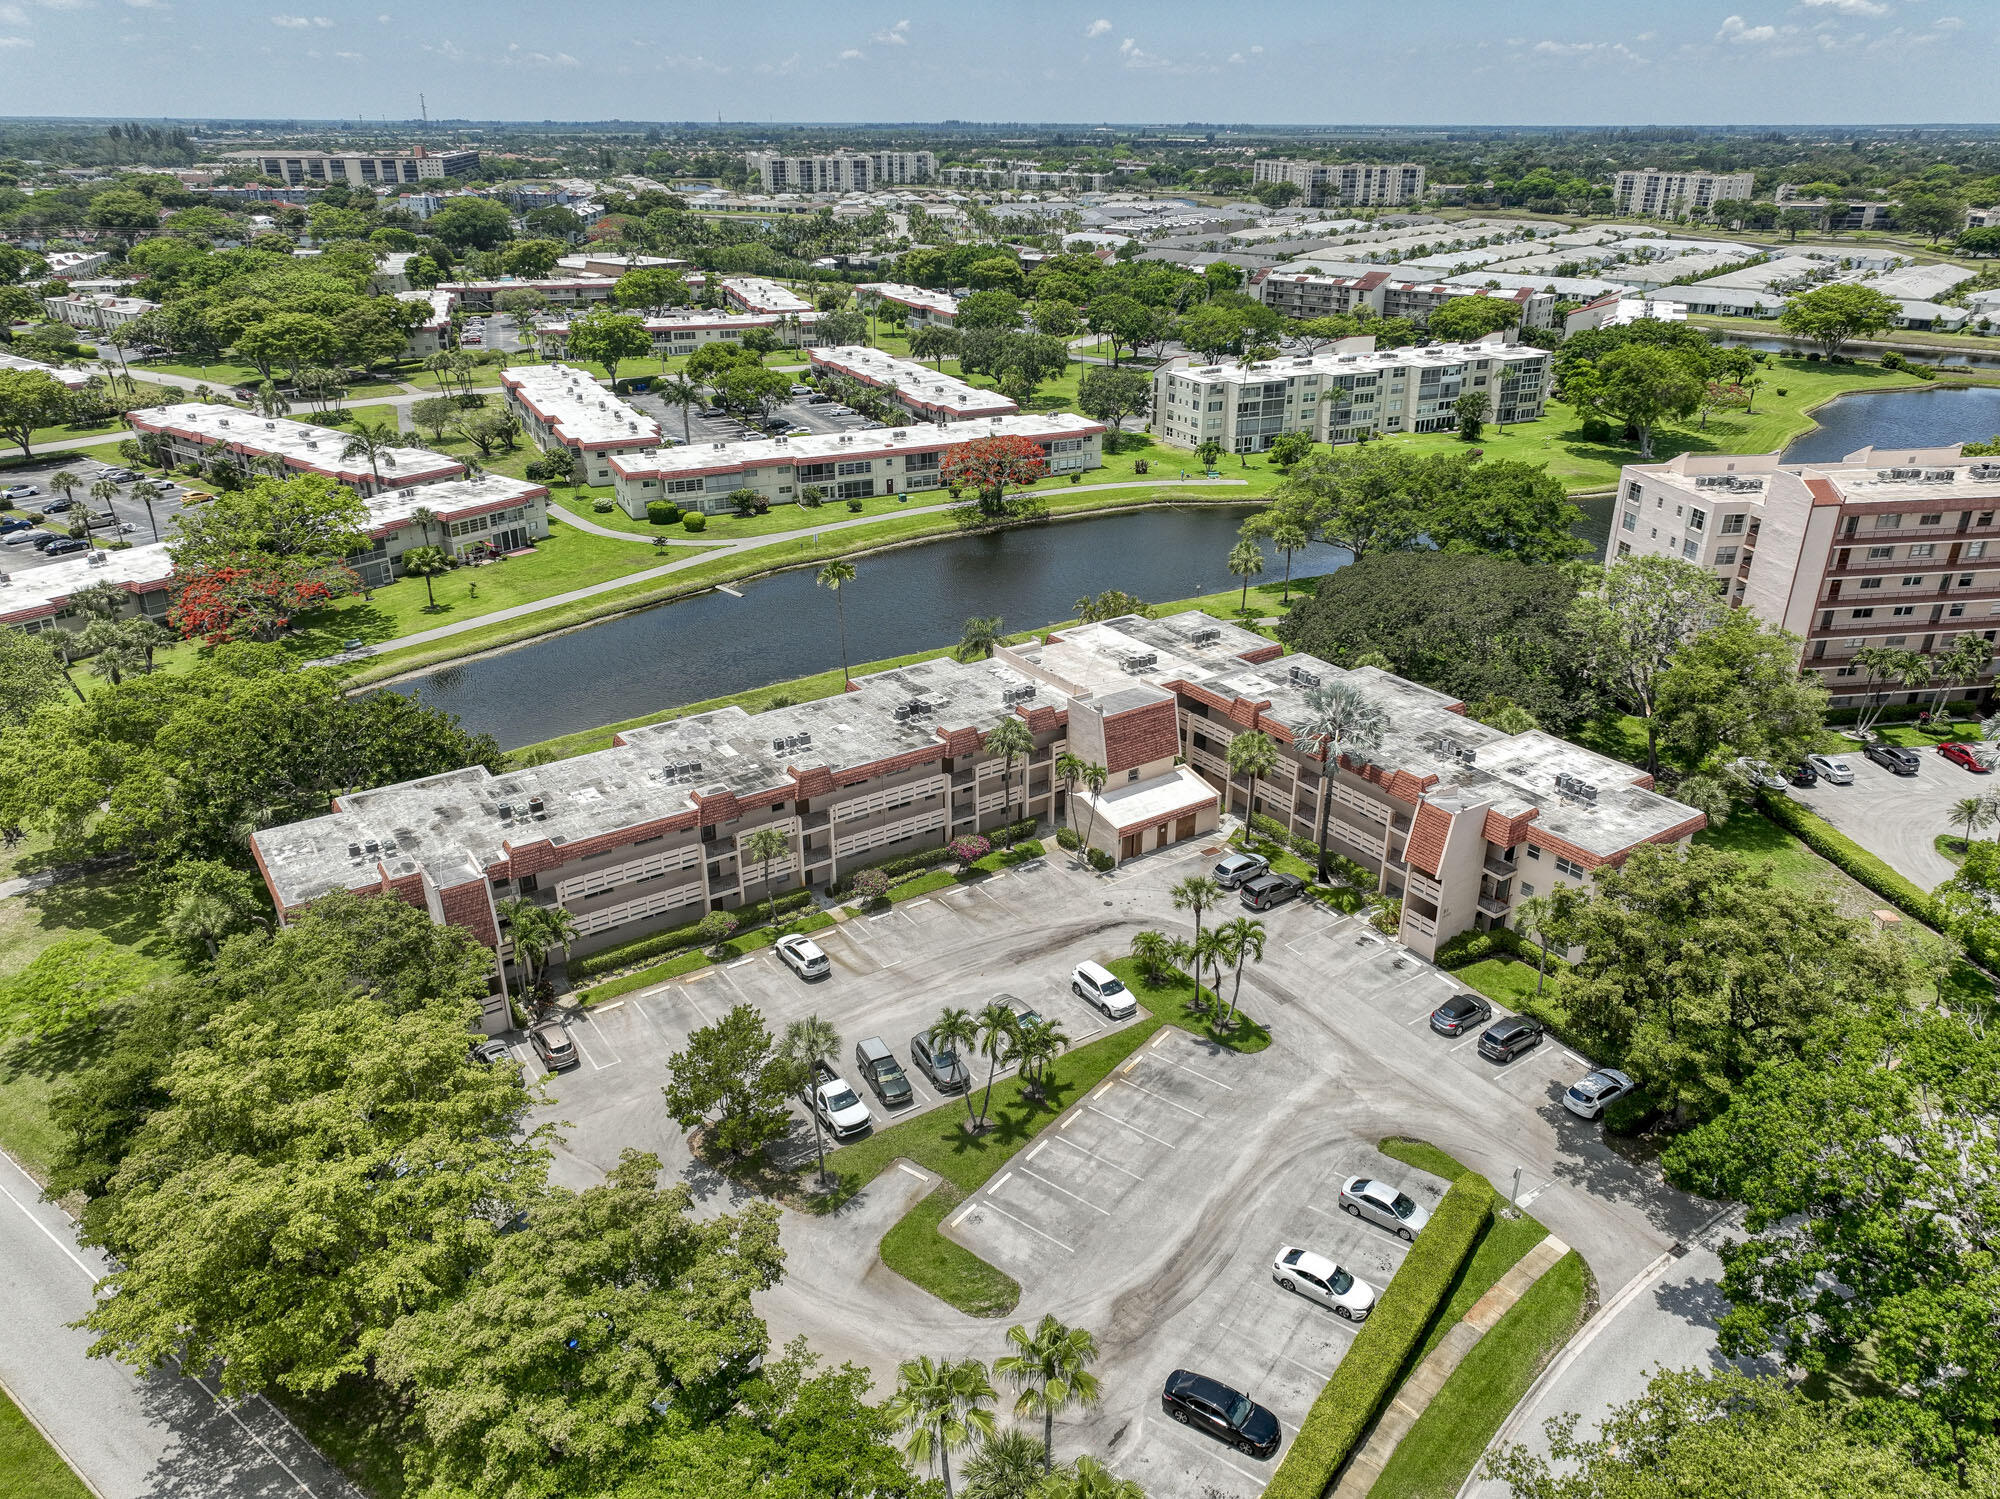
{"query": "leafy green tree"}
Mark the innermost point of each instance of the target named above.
(1087, 1478)
(1698, 968)
(1339, 717)
(373, 441)
(280, 1185)
(726, 1081)
(1865, 1167)
(609, 338)
(941, 1407)
(291, 339)
(1735, 689)
(1050, 1368)
(31, 677)
(1832, 315)
(1500, 506)
(1635, 626)
(979, 638)
(1551, 920)
(1007, 1465)
(1368, 498)
(530, 258)
(29, 401)
(542, 1376)
(991, 308)
(206, 901)
(309, 519)
(1715, 1434)
(1112, 395)
(1464, 320)
(1470, 412)
(66, 988)
(470, 224)
(934, 342)
(1639, 388)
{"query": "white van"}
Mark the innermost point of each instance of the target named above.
(1103, 988)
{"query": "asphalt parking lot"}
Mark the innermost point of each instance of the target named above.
(132, 523)
(1897, 817)
(1151, 1210)
(821, 418)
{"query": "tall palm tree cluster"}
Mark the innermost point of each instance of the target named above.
(537, 931)
(1227, 946)
(943, 1406)
(999, 1034)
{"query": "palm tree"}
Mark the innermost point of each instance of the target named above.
(955, 1030)
(1338, 717)
(1035, 1046)
(1288, 536)
(531, 940)
(763, 848)
(1211, 951)
(112, 654)
(678, 390)
(1087, 1478)
(65, 483)
(1246, 560)
(145, 492)
(424, 516)
(1252, 754)
(831, 577)
(940, 1407)
(103, 492)
(1008, 1465)
(996, 1029)
(1094, 778)
(1051, 1369)
(1244, 939)
(1551, 918)
(1069, 770)
(1008, 738)
(373, 441)
(1971, 813)
(1196, 893)
(426, 563)
(977, 641)
(806, 1043)
(1155, 955)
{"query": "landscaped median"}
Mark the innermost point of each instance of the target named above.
(692, 948)
(1173, 1001)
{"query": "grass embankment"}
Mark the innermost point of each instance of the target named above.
(1172, 1002)
(30, 1468)
(742, 944)
(1943, 343)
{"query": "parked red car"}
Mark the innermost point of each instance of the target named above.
(1961, 754)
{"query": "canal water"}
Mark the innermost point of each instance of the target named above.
(785, 626)
(919, 597)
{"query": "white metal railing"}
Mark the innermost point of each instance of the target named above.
(889, 800)
(889, 832)
(597, 881)
(655, 903)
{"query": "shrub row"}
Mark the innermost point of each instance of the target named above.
(1468, 948)
(1960, 708)
(1837, 848)
(1373, 1367)
(674, 940)
(929, 858)
(1345, 870)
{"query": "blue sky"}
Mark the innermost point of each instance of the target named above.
(1267, 61)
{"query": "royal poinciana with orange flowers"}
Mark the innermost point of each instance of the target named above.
(251, 598)
(988, 465)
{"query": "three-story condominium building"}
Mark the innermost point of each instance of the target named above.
(755, 294)
(842, 465)
(1459, 820)
(1651, 190)
(191, 431)
(1355, 183)
(564, 407)
(920, 390)
(1890, 548)
(1344, 394)
(920, 304)
(683, 333)
(1306, 294)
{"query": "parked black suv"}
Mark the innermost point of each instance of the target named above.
(1506, 1039)
(1894, 758)
(1210, 1405)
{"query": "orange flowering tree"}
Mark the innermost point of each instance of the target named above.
(250, 598)
(988, 465)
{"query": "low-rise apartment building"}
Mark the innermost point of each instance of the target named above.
(1897, 549)
(96, 311)
(564, 407)
(1652, 190)
(683, 333)
(923, 392)
(358, 168)
(434, 332)
(1306, 294)
(844, 465)
(920, 304)
(557, 291)
(1357, 183)
(191, 431)
(1457, 819)
(68, 379)
(1344, 394)
(1025, 177)
(840, 171)
(756, 294)
(69, 265)
(36, 599)
(469, 519)
(1617, 309)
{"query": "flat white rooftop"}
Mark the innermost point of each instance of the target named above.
(941, 302)
(759, 295)
(577, 408)
(916, 384)
(1434, 356)
(453, 499)
(69, 379)
(316, 449)
(37, 592)
(710, 457)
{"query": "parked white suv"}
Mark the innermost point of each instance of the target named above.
(1103, 988)
(839, 1107)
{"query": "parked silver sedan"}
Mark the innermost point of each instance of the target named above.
(1384, 1203)
(1832, 769)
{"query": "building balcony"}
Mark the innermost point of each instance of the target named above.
(1500, 869)
(1494, 907)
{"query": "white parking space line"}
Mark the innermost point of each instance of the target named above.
(915, 903)
(616, 1004)
(1096, 1157)
(1468, 1041)
(1321, 1211)
(1132, 1127)
(1257, 1478)
(603, 1041)
(1226, 1087)
(743, 962)
(1162, 1098)
(1065, 1248)
(906, 1166)
(595, 1065)
(1322, 1375)
(1037, 1176)
(531, 1065)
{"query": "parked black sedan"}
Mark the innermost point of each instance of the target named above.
(1459, 1014)
(1506, 1039)
(1228, 1415)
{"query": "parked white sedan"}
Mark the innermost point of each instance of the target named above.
(1318, 1278)
(1832, 769)
(804, 956)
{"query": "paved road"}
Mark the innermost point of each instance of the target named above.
(131, 1438)
(727, 548)
(1665, 1317)
(1897, 817)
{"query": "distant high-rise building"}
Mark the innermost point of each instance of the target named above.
(359, 168)
(841, 171)
(1353, 183)
(1654, 191)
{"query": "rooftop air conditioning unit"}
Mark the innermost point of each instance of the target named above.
(1940, 475)
(1984, 471)
(778, 745)
(1206, 635)
(1301, 677)
(1903, 473)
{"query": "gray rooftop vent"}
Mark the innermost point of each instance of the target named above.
(372, 846)
(1143, 661)
(506, 810)
(1903, 473)
(1206, 635)
(1021, 692)
(1984, 471)
(1301, 677)
(779, 744)
(1576, 789)
(1940, 475)
(353, 850)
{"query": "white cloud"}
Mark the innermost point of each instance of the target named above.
(12, 15)
(1948, 23)
(1735, 30)
(1097, 28)
(781, 69)
(896, 36)
(1849, 7)
(850, 54)
(1256, 50)
(348, 56)
(1647, 36)
(15, 41)
(299, 23)
(1587, 49)
(149, 4)
(65, 4)
(517, 54)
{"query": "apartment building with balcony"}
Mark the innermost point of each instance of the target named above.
(35, 599)
(844, 465)
(1354, 183)
(469, 519)
(358, 168)
(920, 304)
(1897, 549)
(433, 334)
(920, 390)
(756, 294)
(1651, 190)
(557, 291)
(191, 431)
(840, 171)
(99, 312)
(1306, 294)
(564, 407)
(683, 333)
(1024, 176)
(1343, 394)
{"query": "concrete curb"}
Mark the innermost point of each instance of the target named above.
(54, 1445)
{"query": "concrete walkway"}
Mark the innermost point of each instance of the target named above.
(1414, 1398)
(570, 518)
(724, 549)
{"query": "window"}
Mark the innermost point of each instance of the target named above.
(1624, 548)
(1903, 612)
(1631, 520)
(1697, 520)
(1691, 548)
(1914, 582)
(1724, 556)
(1871, 582)
(1632, 490)
(1880, 554)
(856, 489)
(1132, 774)
(1930, 520)
(1888, 522)
(1732, 525)
(1848, 671)
(1526, 889)
(1957, 610)
(856, 466)
(1975, 549)
(1571, 868)
(1864, 614)
(1924, 549)
(1986, 517)
(1534, 851)
(683, 486)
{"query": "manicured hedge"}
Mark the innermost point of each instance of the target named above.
(929, 858)
(1368, 1376)
(674, 940)
(1472, 947)
(1837, 848)
(1345, 869)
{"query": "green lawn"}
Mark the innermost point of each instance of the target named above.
(1757, 838)
(915, 1250)
(1501, 980)
(1172, 1004)
(29, 1467)
(1439, 1451)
